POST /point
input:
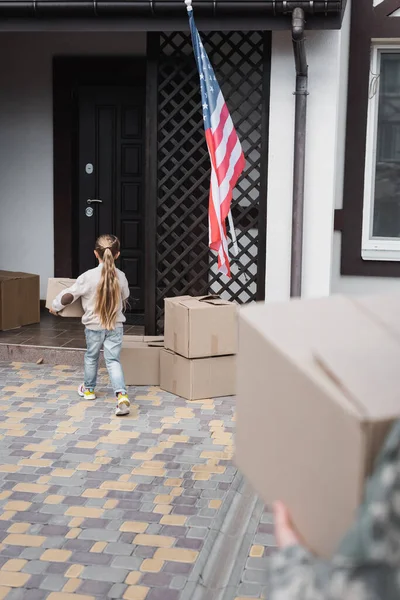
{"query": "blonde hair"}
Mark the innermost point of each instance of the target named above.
(108, 297)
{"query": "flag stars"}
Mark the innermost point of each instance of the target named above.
(205, 106)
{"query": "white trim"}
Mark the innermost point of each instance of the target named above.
(386, 249)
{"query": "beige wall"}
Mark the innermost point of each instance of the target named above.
(327, 55)
(26, 139)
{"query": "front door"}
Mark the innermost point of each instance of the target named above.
(111, 178)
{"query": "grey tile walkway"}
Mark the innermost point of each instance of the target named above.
(92, 506)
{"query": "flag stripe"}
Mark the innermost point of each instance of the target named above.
(225, 185)
(221, 136)
(220, 113)
(226, 154)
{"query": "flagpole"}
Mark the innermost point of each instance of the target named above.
(233, 234)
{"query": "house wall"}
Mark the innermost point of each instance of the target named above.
(26, 150)
(357, 285)
(26, 139)
(327, 53)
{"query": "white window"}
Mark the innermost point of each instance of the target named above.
(381, 218)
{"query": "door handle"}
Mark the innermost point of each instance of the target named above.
(91, 201)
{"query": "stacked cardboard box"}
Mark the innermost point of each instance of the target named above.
(140, 359)
(318, 391)
(19, 299)
(198, 360)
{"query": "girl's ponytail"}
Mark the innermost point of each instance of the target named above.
(108, 297)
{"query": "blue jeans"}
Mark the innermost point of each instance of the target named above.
(112, 342)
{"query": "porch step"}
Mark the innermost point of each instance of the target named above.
(47, 355)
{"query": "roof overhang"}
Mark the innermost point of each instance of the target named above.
(163, 15)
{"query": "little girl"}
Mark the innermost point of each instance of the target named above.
(104, 292)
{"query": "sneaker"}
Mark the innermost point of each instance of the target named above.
(123, 405)
(86, 393)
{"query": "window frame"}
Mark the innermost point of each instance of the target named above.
(375, 248)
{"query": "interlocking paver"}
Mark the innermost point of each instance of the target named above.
(253, 576)
(117, 591)
(95, 507)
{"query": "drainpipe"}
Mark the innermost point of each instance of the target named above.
(301, 93)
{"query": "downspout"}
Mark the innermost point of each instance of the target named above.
(301, 93)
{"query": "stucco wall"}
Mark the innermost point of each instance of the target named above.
(327, 53)
(358, 285)
(26, 143)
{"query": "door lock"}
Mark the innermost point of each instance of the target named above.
(93, 200)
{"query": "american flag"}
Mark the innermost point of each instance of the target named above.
(225, 150)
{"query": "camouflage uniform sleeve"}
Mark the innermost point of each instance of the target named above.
(367, 565)
(295, 574)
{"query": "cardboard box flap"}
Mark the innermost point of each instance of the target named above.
(148, 339)
(134, 344)
(384, 309)
(133, 339)
(369, 381)
(126, 343)
(179, 299)
(296, 327)
(203, 302)
(214, 301)
(335, 339)
(65, 283)
(340, 386)
(169, 352)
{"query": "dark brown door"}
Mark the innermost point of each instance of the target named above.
(111, 178)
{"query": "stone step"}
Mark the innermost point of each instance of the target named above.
(47, 355)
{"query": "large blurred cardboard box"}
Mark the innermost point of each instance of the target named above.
(200, 327)
(140, 360)
(19, 299)
(198, 378)
(54, 287)
(318, 390)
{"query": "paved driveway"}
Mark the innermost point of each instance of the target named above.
(96, 507)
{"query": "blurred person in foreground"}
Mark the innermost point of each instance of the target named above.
(367, 564)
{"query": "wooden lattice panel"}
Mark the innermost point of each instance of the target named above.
(184, 263)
